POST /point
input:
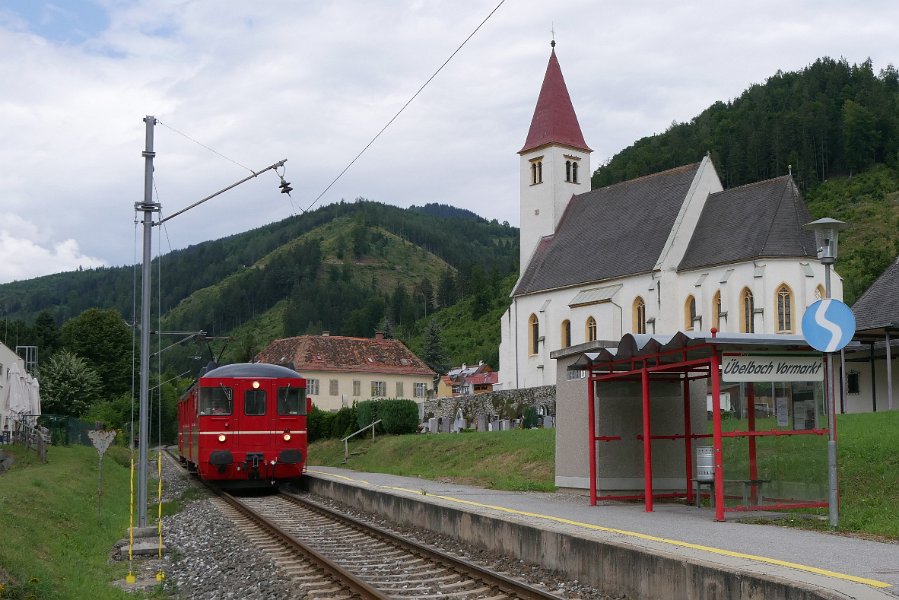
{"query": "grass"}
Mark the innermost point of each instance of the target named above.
(505, 460)
(524, 460)
(52, 545)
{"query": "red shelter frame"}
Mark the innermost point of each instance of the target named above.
(686, 357)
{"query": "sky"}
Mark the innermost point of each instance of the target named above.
(237, 86)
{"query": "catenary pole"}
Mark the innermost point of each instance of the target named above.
(148, 207)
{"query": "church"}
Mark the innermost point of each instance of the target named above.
(667, 252)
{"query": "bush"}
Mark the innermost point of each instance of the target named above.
(320, 423)
(398, 416)
(530, 420)
(367, 412)
(342, 425)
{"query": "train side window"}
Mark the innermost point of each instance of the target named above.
(254, 402)
(216, 400)
(291, 401)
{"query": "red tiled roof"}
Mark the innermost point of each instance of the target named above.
(554, 119)
(484, 378)
(344, 354)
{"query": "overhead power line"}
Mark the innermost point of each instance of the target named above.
(399, 112)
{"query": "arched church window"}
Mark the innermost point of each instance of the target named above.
(567, 170)
(819, 292)
(539, 171)
(639, 311)
(689, 313)
(747, 310)
(784, 309)
(591, 329)
(533, 334)
(566, 333)
(574, 172)
(716, 310)
(533, 173)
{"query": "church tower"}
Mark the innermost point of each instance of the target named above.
(555, 162)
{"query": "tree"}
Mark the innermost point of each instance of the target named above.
(46, 333)
(69, 386)
(433, 353)
(103, 339)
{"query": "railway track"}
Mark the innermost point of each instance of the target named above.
(342, 557)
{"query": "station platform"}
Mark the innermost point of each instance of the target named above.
(677, 548)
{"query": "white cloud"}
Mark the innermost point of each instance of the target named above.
(314, 82)
(26, 251)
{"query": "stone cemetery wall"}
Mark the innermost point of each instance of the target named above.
(489, 410)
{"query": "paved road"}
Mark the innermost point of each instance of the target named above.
(857, 567)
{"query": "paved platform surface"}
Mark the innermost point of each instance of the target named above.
(855, 567)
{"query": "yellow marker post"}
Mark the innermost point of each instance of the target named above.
(130, 578)
(159, 574)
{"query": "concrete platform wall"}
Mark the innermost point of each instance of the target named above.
(615, 569)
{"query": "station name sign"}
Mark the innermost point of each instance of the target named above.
(767, 367)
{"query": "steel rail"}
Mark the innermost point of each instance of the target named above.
(356, 585)
(504, 584)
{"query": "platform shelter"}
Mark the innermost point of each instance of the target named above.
(763, 431)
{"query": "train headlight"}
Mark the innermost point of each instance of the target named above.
(286, 437)
(255, 385)
(221, 437)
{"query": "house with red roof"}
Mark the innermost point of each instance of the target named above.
(341, 370)
(467, 381)
(667, 252)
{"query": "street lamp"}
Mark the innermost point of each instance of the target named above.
(148, 207)
(827, 233)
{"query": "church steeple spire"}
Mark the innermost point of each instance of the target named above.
(554, 120)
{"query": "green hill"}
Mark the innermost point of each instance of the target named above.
(834, 125)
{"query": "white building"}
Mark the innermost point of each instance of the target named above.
(19, 391)
(662, 253)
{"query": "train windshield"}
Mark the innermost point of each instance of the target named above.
(254, 402)
(216, 400)
(291, 400)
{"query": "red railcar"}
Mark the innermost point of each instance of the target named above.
(245, 424)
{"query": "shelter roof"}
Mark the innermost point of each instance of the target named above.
(554, 120)
(758, 220)
(344, 354)
(878, 307)
(636, 346)
(611, 232)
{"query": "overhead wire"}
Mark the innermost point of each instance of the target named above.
(400, 111)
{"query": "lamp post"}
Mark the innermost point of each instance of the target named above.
(148, 207)
(827, 233)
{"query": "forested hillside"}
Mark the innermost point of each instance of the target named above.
(835, 125)
(348, 268)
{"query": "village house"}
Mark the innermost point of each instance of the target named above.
(341, 370)
(467, 381)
